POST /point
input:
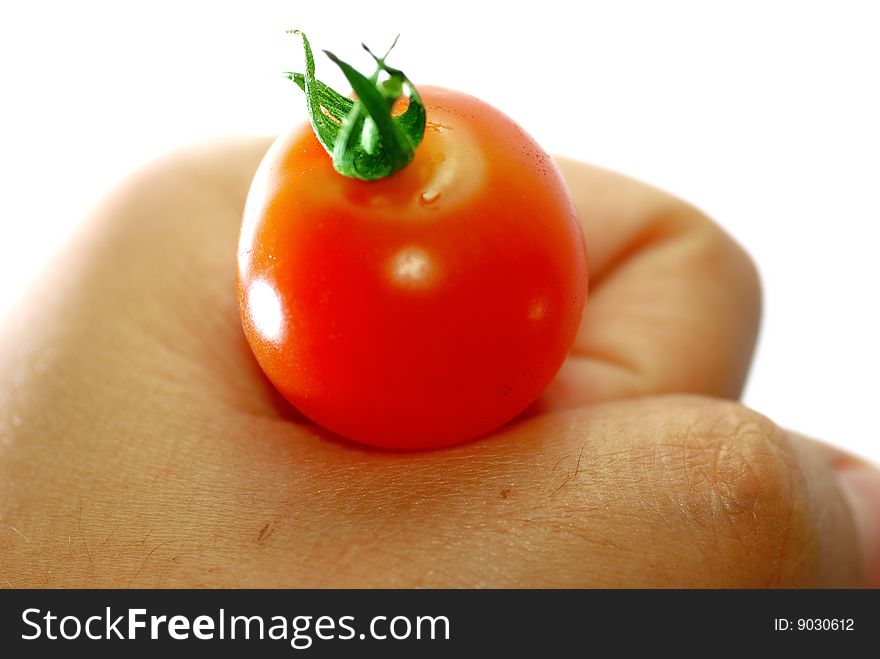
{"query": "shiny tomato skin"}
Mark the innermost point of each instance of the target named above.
(420, 310)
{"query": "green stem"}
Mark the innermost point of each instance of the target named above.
(362, 137)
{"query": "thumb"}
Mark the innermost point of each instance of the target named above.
(683, 491)
(841, 481)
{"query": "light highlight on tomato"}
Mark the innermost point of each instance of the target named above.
(422, 309)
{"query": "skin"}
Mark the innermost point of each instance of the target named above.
(141, 445)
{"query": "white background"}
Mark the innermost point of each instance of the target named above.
(764, 114)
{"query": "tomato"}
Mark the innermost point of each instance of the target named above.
(422, 309)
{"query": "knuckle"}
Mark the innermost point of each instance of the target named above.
(190, 176)
(715, 250)
(720, 252)
(746, 499)
(736, 263)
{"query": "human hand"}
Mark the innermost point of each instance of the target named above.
(142, 446)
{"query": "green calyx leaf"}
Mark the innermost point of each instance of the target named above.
(362, 137)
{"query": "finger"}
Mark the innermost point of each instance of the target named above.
(859, 483)
(670, 491)
(674, 304)
(664, 492)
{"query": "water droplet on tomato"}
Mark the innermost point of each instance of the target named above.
(428, 197)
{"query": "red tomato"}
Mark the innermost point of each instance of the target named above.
(419, 310)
